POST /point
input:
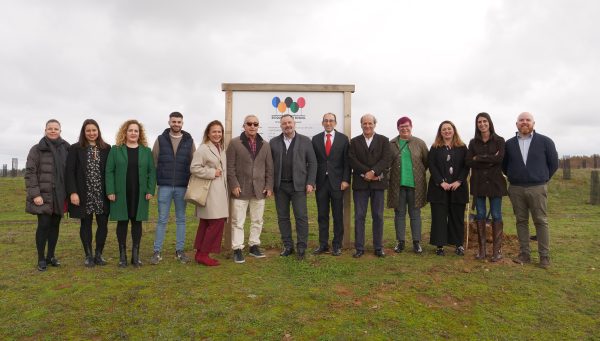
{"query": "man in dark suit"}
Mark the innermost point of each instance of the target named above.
(369, 158)
(295, 169)
(333, 177)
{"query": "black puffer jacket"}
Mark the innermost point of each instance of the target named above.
(40, 178)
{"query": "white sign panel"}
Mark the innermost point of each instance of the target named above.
(307, 108)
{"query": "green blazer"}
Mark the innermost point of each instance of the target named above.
(116, 177)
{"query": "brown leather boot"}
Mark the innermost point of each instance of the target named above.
(497, 228)
(481, 239)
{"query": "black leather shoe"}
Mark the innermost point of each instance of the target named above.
(336, 252)
(286, 251)
(440, 252)
(53, 261)
(358, 253)
(89, 262)
(400, 246)
(42, 266)
(300, 254)
(379, 253)
(320, 250)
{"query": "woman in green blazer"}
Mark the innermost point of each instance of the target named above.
(130, 184)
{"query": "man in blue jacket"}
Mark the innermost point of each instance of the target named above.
(529, 162)
(172, 151)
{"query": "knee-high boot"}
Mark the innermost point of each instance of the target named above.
(481, 239)
(122, 255)
(497, 231)
(89, 259)
(135, 256)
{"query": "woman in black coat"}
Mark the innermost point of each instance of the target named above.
(447, 192)
(485, 155)
(46, 194)
(86, 164)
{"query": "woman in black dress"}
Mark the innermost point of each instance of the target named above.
(447, 192)
(86, 165)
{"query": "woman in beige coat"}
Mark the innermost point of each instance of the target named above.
(209, 162)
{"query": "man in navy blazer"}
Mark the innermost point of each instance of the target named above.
(295, 169)
(333, 177)
(370, 161)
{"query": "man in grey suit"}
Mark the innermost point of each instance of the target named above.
(295, 169)
(369, 157)
(333, 177)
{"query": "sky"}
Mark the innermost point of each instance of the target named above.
(430, 60)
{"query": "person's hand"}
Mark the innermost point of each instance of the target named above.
(217, 173)
(38, 201)
(236, 192)
(268, 193)
(75, 199)
(445, 186)
(370, 175)
(309, 189)
(148, 196)
(455, 185)
(111, 197)
(344, 185)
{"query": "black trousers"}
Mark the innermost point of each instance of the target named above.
(326, 197)
(85, 230)
(136, 232)
(47, 233)
(361, 202)
(285, 195)
(447, 224)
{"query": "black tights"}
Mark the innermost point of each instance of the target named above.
(136, 232)
(47, 232)
(85, 231)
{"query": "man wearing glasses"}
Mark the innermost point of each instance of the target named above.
(333, 177)
(250, 179)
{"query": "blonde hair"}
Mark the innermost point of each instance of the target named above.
(207, 131)
(439, 140)
(121, 137)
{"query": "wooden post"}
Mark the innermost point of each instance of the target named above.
(227, 138)
(347, 242)
(566, 167)
(595, 188)
(596, 161)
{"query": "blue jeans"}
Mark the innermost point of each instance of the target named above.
(165, 195)
(406, 202)
(495, 208)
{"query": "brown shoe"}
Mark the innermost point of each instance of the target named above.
(522, 258)
(544, 262)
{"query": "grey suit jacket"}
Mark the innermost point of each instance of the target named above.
(305, 162)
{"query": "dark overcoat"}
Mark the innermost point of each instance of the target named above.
(485, 161)
(365, 158)
(440, 161)
(76, 174)
(418, 155)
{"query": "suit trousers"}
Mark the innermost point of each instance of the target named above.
(285, 195)
(361, 202)
(327, 196)
(532, 199)
(239, 207)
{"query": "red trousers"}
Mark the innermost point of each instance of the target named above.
(209, 235)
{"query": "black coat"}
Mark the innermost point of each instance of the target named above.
(336, 165)
(485, 161)
(439, 165)
(376, 157)
(75, 179)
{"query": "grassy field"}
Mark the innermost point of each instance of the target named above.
(403, 296)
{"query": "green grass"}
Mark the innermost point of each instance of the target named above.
(403, 296)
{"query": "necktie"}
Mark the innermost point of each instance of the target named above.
(328, 145)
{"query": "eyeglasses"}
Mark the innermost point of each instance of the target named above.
(250, 124)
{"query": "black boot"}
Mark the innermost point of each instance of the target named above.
(122, 255)
(135, 256)
(89, 260)
(497, 231)
(98, 259)
(481, 239)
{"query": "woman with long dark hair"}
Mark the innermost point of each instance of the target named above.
(486, 152)
(209, 162)
(46, 194)
(86, 164)
(447, 192)
(130, 184)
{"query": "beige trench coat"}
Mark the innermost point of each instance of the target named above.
(207, 159)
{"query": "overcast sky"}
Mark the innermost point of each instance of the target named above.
(430, 60)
